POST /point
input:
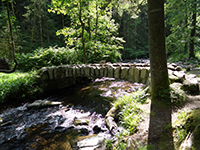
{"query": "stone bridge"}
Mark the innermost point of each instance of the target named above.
(65, 75)
(59, 77)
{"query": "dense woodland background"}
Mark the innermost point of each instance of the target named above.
(86, 31)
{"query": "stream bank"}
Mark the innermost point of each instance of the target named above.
(74, 123)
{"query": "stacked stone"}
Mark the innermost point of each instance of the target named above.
(125, 71)
(133, 72)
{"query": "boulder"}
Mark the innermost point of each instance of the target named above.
(190, 84)
(178, 96)
(171, 67)
(178, 68)
(174, 78)
(180, 75)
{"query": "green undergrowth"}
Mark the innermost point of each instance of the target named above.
(187, 123)
(18, 86)
(130, 115)
(130, 110)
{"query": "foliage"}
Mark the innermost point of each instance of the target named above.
(187, 123)
(130, 112)
(5, 39)
(133, 28)
(92, 31)
(18, 86)
(53, 56)
(44, 57)
(179, 25)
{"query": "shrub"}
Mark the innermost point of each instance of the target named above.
(58, 56)
(46, 57)
(18, 86)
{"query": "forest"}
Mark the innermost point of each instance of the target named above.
(90, 31)
(37, 35)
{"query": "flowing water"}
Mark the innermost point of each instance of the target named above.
(81, 116)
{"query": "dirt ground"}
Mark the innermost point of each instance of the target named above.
(192, 103)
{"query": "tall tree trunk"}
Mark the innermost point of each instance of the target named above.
(12, 40)
(186, 22)
(97, 18)
(160, 130)
(41, 34)
(13, 11)
(192, 35)
(33, 26)
(89, 29)
(40, 22)
(83, 30)
(63, 25)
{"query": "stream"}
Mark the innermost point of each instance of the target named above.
(77, 121)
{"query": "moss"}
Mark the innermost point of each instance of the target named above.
(178, 96)
(189, 124)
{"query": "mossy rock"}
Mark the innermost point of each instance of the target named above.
(178, 96)
(191, 125)
(190, 87)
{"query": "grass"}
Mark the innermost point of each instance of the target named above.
(18, 86)
(130, 110)
(130, 115)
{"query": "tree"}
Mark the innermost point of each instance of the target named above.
(181, 18)
(12, 41)
(193, 30)
(160, 116)
(92, 31)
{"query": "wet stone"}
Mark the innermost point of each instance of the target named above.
(81, 121)
(43, 103)
(91, 143)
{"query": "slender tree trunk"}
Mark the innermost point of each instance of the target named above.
(192, 35)
(12, 40)
(20, 50)
(186, 22)
(63, 25)
(79, 58)
(41, 34)
(63, 21)
(33, 26)
(89, 30)
(83, 30)
(40, 22)
(97, 18)
(160, 130)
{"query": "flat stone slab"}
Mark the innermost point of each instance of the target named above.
(91, 143)
(43, 103)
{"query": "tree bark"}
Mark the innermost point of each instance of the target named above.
(40, 22)
(83, 30)
(160, 130)
(192, 35)
(186, 22)
(12, 40)
(97, 18)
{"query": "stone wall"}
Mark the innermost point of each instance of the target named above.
(59, 77)
(65, 75)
